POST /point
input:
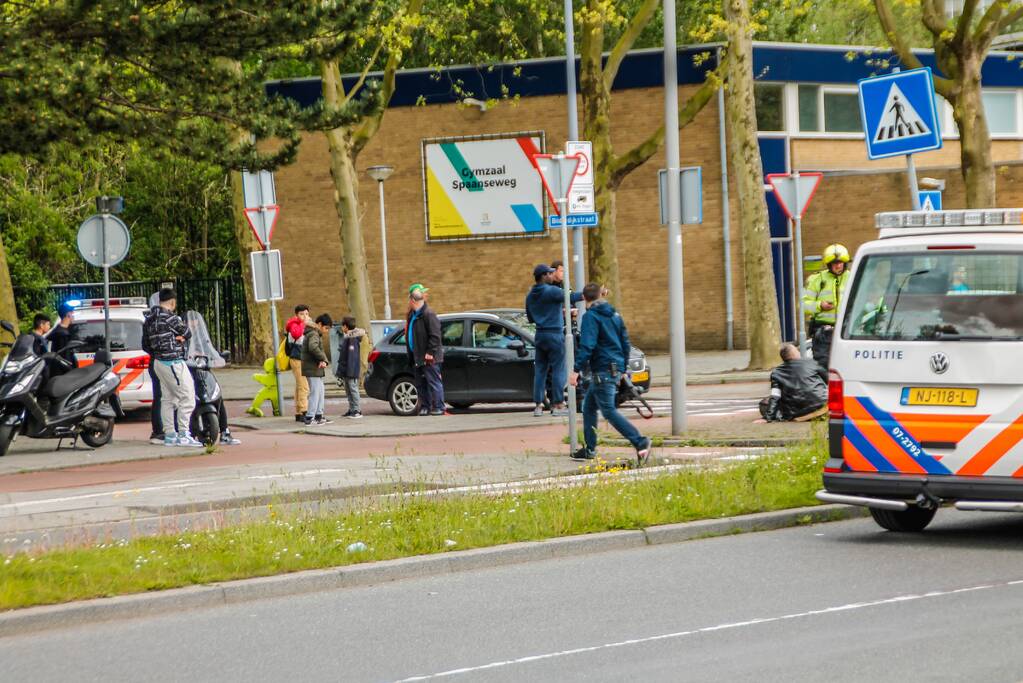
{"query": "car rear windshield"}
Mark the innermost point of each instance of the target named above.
(125, 335)
(947, 295)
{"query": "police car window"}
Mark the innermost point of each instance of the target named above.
(948, 295)
(125, 335)
(488, 335)
(451, 332)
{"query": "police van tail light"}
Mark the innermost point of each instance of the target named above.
(138, 363)
(836, 396)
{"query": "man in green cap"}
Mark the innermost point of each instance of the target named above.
(425, 352)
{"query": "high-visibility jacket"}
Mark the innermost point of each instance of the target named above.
(821, 287)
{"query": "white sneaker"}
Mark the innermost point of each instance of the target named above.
(188, 441)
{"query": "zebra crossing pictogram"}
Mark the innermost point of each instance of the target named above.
(900, 119)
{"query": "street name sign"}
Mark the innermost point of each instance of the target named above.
(578, 220)
(899, 113)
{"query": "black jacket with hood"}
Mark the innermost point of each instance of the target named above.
(425, 337)
(796, 389)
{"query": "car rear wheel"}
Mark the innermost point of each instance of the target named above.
(913, 518)
(403, 397)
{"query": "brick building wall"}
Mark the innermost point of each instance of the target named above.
(497, 273)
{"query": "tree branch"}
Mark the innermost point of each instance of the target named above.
(624, 164)
(965, 19)
(371, 123)
(932, 15)
(943, 86)
(362, 77)
(628, 39)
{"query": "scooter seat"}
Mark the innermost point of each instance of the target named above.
(74, 380)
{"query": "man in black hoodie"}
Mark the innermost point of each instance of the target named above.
(797, 389)
(604, 354)
(425, 352)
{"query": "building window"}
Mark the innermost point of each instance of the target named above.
(842, 112)
(809, 118)
(770, 109)
(1000, 110)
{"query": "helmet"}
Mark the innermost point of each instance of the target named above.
(835, 252)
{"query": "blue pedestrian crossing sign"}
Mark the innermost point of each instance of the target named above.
(930, 200)
(899, 114)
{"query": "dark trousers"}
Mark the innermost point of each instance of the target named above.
(154, 416)
(600, 395)
(550, 356)
(820, 342)
(430, 385)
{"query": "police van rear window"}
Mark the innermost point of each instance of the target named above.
(125, 335)
(951, 295)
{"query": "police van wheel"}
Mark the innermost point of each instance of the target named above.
(913, 518)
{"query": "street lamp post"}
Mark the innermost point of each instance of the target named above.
(380, 174)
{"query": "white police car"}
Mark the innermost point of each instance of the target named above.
(926, 379)
(131, 363)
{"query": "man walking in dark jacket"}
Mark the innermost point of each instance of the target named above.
(604, 354)
(797, 390)
(165, 337)
(544, 308)
(425, 352)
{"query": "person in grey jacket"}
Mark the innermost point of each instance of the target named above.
(165, 337)
(315, 359)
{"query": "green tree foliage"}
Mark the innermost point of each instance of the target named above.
(178, 211)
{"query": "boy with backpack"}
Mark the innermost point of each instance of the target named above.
(349, 367)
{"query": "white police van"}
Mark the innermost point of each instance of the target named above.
(926, 382)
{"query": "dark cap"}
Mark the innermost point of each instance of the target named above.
(541, 270)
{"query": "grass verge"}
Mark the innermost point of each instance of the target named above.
(401, 527)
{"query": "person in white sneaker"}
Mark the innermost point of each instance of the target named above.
(349, 365)
(315, 359)
(166, 335)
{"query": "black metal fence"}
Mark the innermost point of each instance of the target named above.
(221, 301)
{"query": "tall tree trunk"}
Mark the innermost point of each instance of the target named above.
(7, 309)
(602, 243)
(261, 344)
(762, 324)
(975, 156)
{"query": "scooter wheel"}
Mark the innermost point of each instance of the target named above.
(6, 437)
(210, 429)
(95, 438)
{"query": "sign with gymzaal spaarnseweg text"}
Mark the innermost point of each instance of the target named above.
(899, 113)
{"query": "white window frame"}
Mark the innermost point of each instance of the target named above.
(792, 110)
(948, 123)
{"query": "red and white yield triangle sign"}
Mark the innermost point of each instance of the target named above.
(794, 192)
(262, 221)
(558, 174)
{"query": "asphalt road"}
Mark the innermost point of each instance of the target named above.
(836, 602)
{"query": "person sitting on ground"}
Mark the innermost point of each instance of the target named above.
(797, 390)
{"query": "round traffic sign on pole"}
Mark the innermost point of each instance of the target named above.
(101, 229)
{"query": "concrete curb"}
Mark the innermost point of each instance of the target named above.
(31, 619)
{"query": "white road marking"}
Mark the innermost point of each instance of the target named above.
(708, 629)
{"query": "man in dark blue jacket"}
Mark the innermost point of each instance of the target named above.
(545, 309)
(604, 354)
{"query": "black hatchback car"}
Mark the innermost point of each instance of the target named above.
(488, 358)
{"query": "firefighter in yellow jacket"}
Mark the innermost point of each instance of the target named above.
(822, 296)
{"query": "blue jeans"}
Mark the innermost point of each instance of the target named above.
(601, 394)
(550, 355)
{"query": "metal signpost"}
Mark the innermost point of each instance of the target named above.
(900, 117)
(103, 241)
(794, 192)
(558, 172)
(262, 211)
(676, 295)
(578, 268)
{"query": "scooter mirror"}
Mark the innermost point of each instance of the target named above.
(7, 326)
(226, 355)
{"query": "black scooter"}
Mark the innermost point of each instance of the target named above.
(81, 402)
(205, 423)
